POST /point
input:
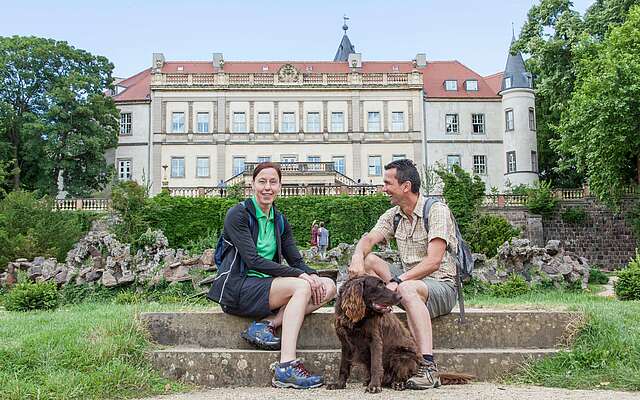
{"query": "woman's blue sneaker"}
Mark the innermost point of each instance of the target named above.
(294, 375)
(262, 335)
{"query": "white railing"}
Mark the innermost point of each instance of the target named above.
(83, 204)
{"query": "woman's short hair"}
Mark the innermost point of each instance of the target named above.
(266, 165)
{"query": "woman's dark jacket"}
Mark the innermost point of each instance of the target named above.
(240, 254)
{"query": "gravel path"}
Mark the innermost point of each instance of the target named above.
(476, 391)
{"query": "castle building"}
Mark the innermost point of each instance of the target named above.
(194, 126)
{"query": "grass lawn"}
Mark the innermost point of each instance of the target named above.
(86, 351)
(606, 350)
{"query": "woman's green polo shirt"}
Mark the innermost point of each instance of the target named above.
(266, 245)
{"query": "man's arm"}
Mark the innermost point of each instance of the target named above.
(363, 248)
(429, 263)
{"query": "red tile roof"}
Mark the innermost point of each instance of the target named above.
(136, 87)
(434, 75)
(495, 81)
(436, 72)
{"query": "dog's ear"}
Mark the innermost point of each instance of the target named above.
(352, 300)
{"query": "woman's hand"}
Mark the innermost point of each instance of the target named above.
(318, 291)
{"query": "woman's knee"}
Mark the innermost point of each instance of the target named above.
(330, 287)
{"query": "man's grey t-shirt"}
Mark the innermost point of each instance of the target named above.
(323, 237)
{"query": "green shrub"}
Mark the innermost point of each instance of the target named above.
(463, 194)
(574, 215)
(128, 297)
(27, 296)
(598, 277)
(514, 286)
(540, 199)
(29, 227)
(628, 285)
(128, 200)
(76, 294)
(488, 233)
(475, 286)
(201, 243)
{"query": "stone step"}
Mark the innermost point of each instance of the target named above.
(222, 367)
(528, 329)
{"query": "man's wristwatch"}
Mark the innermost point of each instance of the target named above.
(396, 279)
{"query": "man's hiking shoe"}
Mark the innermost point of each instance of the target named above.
(262, 335)
(426, 377)
(294, 375)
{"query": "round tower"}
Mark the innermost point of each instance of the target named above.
(520, 155)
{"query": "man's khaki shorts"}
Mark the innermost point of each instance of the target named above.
(443, 295)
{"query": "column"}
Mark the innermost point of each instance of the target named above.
(385, 116)
(251, 115)
(190, 117)
(300, 116)
(325, 117)
(276, 119)
(163, 121)
(349, 116)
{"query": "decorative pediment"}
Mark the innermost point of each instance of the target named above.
(288, 73)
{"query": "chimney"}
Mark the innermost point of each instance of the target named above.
(158, 62)
(421, 60)
(218, 60)
(355, 60)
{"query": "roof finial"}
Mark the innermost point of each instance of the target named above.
(513, 32)
(345, 27)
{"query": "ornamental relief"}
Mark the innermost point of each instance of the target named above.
(288, 73)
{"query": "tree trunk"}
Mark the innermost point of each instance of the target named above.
(16, 167)
(638, 169)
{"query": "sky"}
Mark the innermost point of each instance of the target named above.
(474, 32)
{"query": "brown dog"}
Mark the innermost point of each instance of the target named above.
(372, 335)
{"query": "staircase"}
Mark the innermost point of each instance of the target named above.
(205, 347)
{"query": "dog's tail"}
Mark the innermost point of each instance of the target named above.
(455, 378)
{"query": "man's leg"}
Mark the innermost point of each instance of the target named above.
(414, 300)
(376, 266)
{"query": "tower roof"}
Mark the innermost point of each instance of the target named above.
(515, 73)
(345, 48)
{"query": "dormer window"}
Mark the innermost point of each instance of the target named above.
(529, 82)
(471, 85)
(451, 85)
(507, 82)
(309, 67)
(180, 68)
(265, 67)
(396, 68)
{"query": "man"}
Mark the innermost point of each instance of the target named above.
(323, 240)
(427, 280)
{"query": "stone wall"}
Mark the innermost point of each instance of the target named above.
(604, 238)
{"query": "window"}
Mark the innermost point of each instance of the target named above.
(480, 164)
(397, 121)
(177, 122)
(471, 85)
(203, 122)
(477, 122)
(124, 170)
(373, 121)
(375, 166)
(508, 119)
(289, 159)
(288, 122)
(315, 160)
(239, 122)
(451, 123)
(338, 164)
(450, 85)
(453, 159)
(313, 122)
(238, 165)
(398, 157)
(507, 82)
(125, 123)
(534, 161)
(177, 167)
(202, 167)
(511, 161)
(264, 122)
(262, 159)
(337, 122)
(532, 119)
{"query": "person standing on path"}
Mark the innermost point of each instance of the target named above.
(323, 240)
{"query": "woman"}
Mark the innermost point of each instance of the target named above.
(314, 234)
(253, 282)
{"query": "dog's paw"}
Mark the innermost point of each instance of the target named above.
(335, 386)
(398, 386)
(373, 389)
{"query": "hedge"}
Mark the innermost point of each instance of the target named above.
(184, 219)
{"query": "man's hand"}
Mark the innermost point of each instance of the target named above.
(393, 286)
(356, 268)
(318, 291)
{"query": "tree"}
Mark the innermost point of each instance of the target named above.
(55, 118)
(556, 37)
(600, 128)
